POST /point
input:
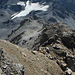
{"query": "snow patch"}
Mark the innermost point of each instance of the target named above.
(30, 7)
(21, 3)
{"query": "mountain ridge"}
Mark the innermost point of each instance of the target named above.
(42, 36)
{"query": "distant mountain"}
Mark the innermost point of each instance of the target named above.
(13, 12)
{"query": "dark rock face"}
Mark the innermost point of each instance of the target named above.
(16, 8)
(70, 41)
(70, 60)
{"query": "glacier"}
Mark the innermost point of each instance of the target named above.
(30, 7)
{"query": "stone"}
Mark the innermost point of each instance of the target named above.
(68, 71)
(4, 66)
(23, 53)
(62, 64)
(11, 73)
(47, 50)
(61, 53)
(57, 46)
(44, 50)
(19, 68)
(34, 52)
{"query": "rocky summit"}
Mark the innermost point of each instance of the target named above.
(37, 37)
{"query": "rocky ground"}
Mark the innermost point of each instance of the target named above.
(19, 61)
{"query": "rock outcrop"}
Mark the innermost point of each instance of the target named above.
(70, 60)
(58, 35)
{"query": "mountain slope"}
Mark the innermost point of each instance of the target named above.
(34, 32)
(33, 64)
